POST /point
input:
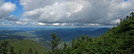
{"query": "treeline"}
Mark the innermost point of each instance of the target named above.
(118, 40)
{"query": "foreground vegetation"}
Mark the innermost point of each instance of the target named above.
(15, 46)
(118, 40)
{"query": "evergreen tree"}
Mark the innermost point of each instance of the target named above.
(0, 49)
(5, 47)
(30, 51)
(36, 52)
(65, 46)
(20, 52)
(73, 42)
(132, 13)
(55, 42)
(83, 37)
(12, 50)
(127, 17)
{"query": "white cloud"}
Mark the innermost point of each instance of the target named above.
(77, 12)
(41, 23)
(24, 21)
(64, 24)
(6, 9)
(54, 13)
(55, 24)
(115, 21)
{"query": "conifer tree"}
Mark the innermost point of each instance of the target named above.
(55, 42)
(12, 50)
(20, 52)
(30, 51)
(83, 37)
(127, 17)
(5, 47)
(87, 39)
(65, 46)
(73, 42)
(0, 49)
(36, 52)
(132, 14)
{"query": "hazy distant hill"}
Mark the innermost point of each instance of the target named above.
(67, 34)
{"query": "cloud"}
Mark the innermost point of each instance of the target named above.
(115, 21)
(20, 22)
(12, 18)
(5, 9)
(41, 23)
(57, 12)
(35, 4)
(24, 21)
(76, 12)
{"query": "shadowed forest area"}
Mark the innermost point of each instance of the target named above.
(118, 40)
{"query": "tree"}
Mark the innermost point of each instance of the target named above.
(55, 42)
(30, 51)
(36, 52)
(83, 37)
(120, 21)
(65, 46)
(0, 49)
(73, 42)
(117, 24)
(132, 13)
(5, 47)
(20, 52)
(127, 17)
(12, 50)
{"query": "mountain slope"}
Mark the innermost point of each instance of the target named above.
(25, 45)
(118, 40)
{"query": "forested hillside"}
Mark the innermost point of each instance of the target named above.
(118, 40)
(15, 46)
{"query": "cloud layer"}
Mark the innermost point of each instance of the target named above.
(82, 12)
(67, 12)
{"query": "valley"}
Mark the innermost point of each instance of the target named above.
(42, 36)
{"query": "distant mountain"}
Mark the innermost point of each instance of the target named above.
(67, 34)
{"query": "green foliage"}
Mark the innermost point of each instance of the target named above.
(16, 46)
(118, 40)
(5, 46)
(12, 50)
(73, 42)
(20, 52)
(55, 42)
(36, 52)
(30, 51)
(65, 46)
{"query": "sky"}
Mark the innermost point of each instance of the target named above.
(72, 13)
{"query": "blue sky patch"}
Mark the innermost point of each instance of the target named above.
(125, 0)
(19, 10)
